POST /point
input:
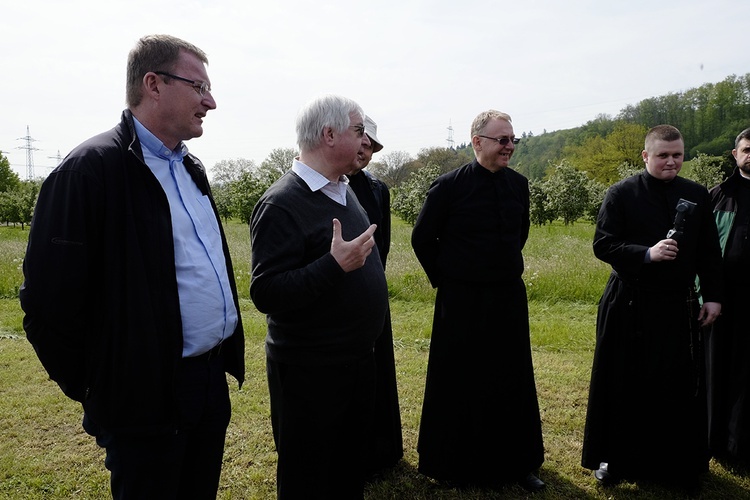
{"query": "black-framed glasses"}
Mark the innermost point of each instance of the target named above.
(200, 87)
(503, 141)
(360, 129)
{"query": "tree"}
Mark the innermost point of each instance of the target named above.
(223, 199)
(706, 170)
(539, 214)
(17, 205)
(567, 192)
(626, 143)
(244, 194)
(276, 164)
(601, 155)
(534, 154)
(393, 168)
(247, 190)
(409, 197)
(596, 191)
(446, 158)
(625, 170)
(8, 178)
(228, 171)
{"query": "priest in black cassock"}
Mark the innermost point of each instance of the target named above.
(480, 419)
(646, 415)
(386, 444)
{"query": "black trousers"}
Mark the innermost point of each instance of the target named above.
(321, 416)
(186, 464)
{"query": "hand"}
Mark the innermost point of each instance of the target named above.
(351, 255)
(664, 250)
(709, 312)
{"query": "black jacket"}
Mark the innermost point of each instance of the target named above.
(100, 291)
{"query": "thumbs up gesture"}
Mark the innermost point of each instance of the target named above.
(351, 255)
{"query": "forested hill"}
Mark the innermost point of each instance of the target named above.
(709, 117)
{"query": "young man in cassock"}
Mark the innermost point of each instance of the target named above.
(647, 409)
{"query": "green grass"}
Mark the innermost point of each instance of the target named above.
(44, 453)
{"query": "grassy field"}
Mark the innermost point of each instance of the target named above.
(44, 453)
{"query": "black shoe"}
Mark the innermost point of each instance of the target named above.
(605, 477)
(531, 483)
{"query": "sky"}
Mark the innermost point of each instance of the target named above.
(419, 68)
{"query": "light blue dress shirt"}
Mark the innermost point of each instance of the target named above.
(206, 302)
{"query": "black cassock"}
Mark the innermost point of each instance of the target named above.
(647, 407)
(386, 439)
(480, 419)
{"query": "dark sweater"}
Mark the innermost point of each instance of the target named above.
(300, 286)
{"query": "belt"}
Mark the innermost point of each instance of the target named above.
(207, 356)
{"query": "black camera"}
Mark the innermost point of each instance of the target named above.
(684, 209)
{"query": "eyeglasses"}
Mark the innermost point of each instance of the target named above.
(360, 129)
(200, 87)
(503, 141)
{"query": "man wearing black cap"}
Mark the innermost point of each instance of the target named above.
(387, 442)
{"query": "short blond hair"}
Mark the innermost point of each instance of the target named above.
(483, 118)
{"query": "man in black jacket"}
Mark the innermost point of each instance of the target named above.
(728, 342)
(129, 292)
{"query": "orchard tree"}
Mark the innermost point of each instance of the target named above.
(625, 170)
(567, 192)
(8, 178)
(223, 198)
(409, 197)
(393, 167)
(245, 193)
(706, 170)
(229, 171)
(276, 164)
(596, 192)
(539, 213)
(17, 205)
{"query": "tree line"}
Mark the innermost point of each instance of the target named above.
(17, 197)
(569, 170)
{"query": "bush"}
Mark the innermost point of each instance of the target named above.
(409, 197)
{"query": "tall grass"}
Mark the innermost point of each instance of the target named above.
(12, 248)
(560, 265)
(44, 454)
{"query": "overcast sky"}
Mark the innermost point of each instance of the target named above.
(416, 66)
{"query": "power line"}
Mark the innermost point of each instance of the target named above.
(29, 153)
(58, 157)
